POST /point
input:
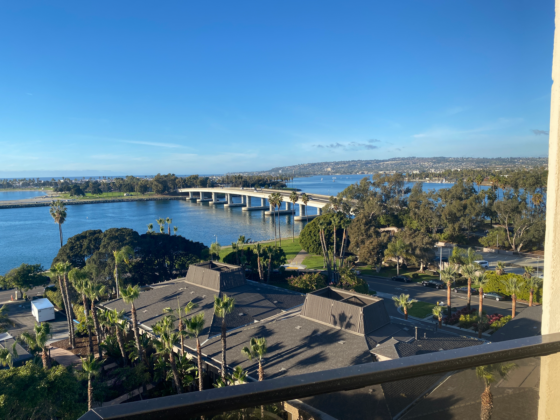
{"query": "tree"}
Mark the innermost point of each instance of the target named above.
(344, 224)
(294, 199)
(534, 283)
(528, 272)
(500, 268)
(513, 287)
(437, 311)
(80, 281)
(38, 340)
(150, 227)
(310, 238)
(116, 321)
(195, 325)
(167, 339)
(420, 246)
(256, 350)
(222, 307)
(272, 201)
(175, 230)
(305, 200)
(479, 281)
(188, 309)
(5, 321)
(57, 272)
(398, 249)
(124, 255)
(403, 301)
(259, 251)
(215, 249)
(448, 276)
(488, 374)
(7, 356)
(26, 277)
(94, 292)
(129, 295)
(469, 271)
(168, 221)
(58, 213)
(91, 367)
(31, 392)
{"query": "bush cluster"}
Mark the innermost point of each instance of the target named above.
(309, 238)
(500, 322)
(498, 283)
(456, 317)
(307, 282)
(350, 281)
(468, 320)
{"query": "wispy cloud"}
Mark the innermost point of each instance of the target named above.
(349, 146)
(540, 132)
(152, 143)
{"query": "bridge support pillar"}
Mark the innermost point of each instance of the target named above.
(263, 202)
(248, 201)
(302, 210)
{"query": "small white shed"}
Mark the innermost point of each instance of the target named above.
(42, 310)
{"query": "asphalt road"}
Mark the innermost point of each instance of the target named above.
(431, 295)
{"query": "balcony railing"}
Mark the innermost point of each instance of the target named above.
(255, 394)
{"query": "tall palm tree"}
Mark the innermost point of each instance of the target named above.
(161, 223)
(403, 301)
(168, 221)
(116, 321)
(258, 250)
(534, 284)
(272, 202)
(513, 287)
(305, 200)
(91, 367)
(150, 227)
(129, 295)
(81, 283)
(469, 271)
(95, 292)
(167, 339)
(256, 350)
(489, 374)
(344, 224)
(279, 202)
(124, 255)
(437, 311)
(448, 276)
(398, 249)
(175, 230)
(479, 281)
(222, 307)
(41, 333)
(195, 325)
(528, 272)
(8, 356)
(215, 249)
(294, 197)
(60, 271)
(58, 213)
(179, 315)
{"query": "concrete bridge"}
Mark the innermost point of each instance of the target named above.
(248, 196)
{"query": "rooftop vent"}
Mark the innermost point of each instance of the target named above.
(298, 327)
(341, 342)
(241, 314)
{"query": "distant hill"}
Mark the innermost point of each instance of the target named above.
(409, 164)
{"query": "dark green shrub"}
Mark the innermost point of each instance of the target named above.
(414, 275)
(500, 323)
(309, 238)
(307, 282)
(53, 294)
(350, 281)
(498, 284)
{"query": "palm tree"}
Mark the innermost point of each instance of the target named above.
(167, 339)
(8, 356)
(168, 221)
(469, 271)
(258, 249)
(305, 200)
(272, 202)
(161, 223)
(294, 199)
(195, 325)
(222, 307)
(279, 202)
(479, 281)
(39, 340)
(175, 230)
(91, 367)
(448, 276)
(397, 249)
(215, 249)
(60, 270)
(58, 213)
(81, 283)
(95, 292)
(534, 284)
(115, 320)
(150, 227)
(188, 309)
(256, 349)
(513, 287)
(488, 375)
(500, 268)
(528, 272)
(404, 302)
(344, 224)
(125, 255)
(129, 295)
(437, 311)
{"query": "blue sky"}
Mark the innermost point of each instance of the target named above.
(141, 87)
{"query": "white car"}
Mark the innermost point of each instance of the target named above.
(482, 263)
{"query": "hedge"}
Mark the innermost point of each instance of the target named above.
(498, 283)
(309, 237)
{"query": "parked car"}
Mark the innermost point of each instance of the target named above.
(494, 295)
(438, 284)
(465, 290)
(482, 263)
(443, 259)
(401, 278)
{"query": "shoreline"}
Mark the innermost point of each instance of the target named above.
(47, 202)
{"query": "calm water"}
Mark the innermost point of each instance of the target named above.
(29, 235)
(19, 195)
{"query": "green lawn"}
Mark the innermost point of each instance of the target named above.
(390, 272)
(313, 262)
(421, 309)
(90, 196)
(290, 248)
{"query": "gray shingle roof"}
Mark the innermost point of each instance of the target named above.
(387, 349)
(526, 324)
